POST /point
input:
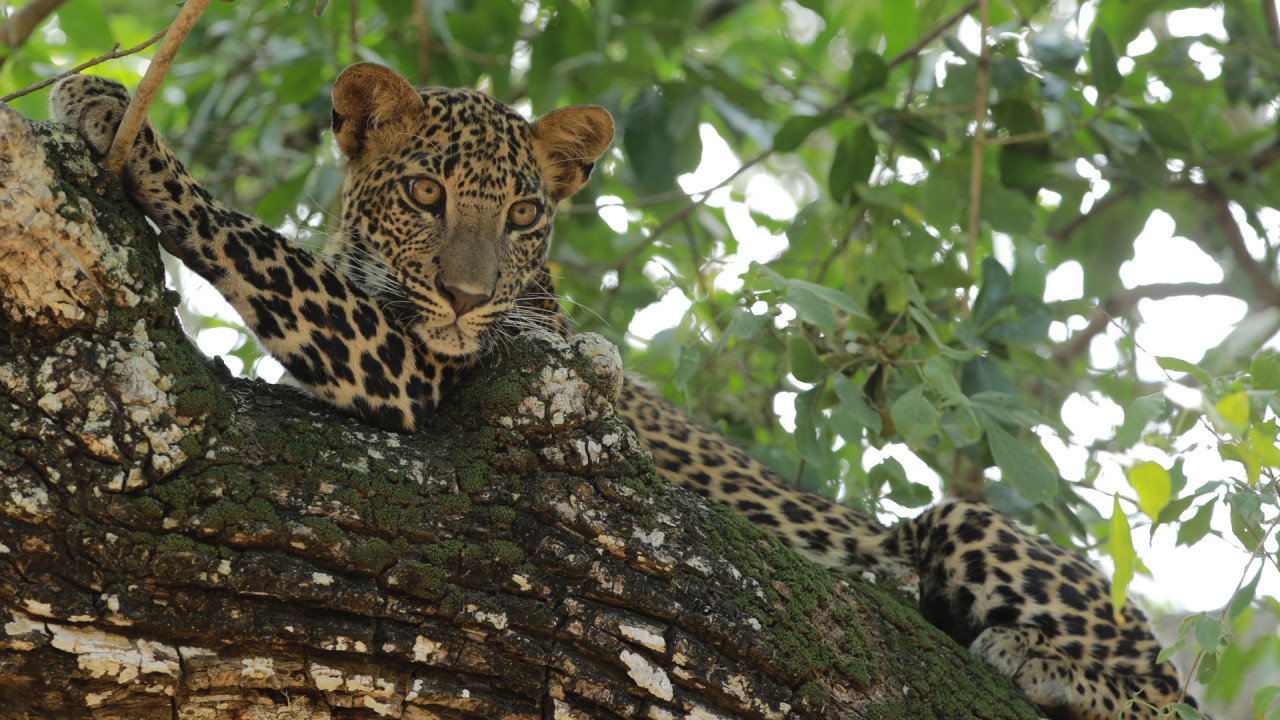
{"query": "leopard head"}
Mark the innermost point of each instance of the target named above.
(449, 198)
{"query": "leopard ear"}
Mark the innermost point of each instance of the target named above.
(368, 96)
(567, 142)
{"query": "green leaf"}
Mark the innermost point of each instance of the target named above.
(1153, 486)
(910, 494)
(1118, 138)
(993, 296)
(982, 374)
(1055, 50)
(1007, 210)
(1208, 669)
(853, 404)
(283, 198)
(941, 378)
(1102, 61)
(745, 325)
(815, 449)
(854, 159)
(829, 295)
(650, 148)
(806, 364)
(1123, 555)
(1244, 598)
(796, 130)
(686, 367)
(810, 307)
(915, 417)
(1208, 633)
(1263, 698)
(1191, 531)
(1138, 415)
(1173, 364)
(1185, 712)
(1234, 411)
(85, 24)
(1020, 466)
(1165, 128)
(1265, 370)
(867, 74)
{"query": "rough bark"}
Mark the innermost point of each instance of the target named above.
(177, 543)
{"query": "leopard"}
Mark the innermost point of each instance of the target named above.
(441, 250)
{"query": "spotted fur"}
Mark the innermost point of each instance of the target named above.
(446, 220)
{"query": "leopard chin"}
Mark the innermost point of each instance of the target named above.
(450, 341)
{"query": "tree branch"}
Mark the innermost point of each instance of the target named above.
(15, 31)
(1121, 303)
(1259, 278)
(928, 38)
(136, 113)
(979, 143)
(116, 52)
(179, 543)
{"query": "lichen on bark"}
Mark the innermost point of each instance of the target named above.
(178, 542)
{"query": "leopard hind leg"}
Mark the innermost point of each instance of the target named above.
(1062, 687)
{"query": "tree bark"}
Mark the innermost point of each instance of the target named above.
(178, 543)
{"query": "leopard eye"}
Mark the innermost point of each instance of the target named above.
(524, 213)
(425, 192)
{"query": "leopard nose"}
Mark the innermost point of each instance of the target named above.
(462, 301)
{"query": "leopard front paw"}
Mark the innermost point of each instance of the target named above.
(92, 106)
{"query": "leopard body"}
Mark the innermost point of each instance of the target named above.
(445, 226)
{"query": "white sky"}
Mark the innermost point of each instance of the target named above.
(1198, 578)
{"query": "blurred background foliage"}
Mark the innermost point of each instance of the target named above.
(792, 239)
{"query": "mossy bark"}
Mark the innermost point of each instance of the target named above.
(175, 542)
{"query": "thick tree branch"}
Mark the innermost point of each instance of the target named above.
(177, 543)
(1122, 303)
(1260, 279)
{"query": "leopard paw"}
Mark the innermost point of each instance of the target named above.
(92, 106)
(1022, 653)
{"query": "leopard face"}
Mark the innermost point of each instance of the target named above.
(449, 200)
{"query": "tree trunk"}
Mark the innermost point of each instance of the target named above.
(178, 543)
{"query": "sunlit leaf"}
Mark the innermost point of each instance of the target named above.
(1123, 555)
(1233, 409)
(1151, 481)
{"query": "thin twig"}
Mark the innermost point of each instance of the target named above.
(15, 31)
(116, 52)
(933, 34)
(423, 26)
(136, 114)
(979, 140)
(672, 195)
(1019, 138)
